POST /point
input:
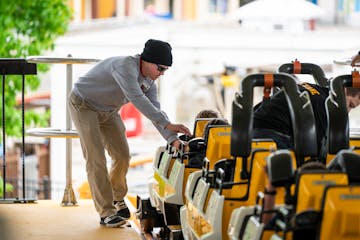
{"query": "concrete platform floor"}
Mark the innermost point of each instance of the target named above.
(48, 220)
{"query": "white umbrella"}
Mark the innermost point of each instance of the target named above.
(279, 9)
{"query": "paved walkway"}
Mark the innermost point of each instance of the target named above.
(46, 219)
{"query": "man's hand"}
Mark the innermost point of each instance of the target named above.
(178, 128)
(355, 59)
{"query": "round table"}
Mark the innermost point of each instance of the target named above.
(69, 198)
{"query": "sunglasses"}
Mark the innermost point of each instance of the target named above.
(161, 69)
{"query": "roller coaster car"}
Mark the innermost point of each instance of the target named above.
(163, 161)
(217, 139)
(207, 200)
(233, 188)
(147, 211)
(246, 222)
(217, 147)
(310, 185)
(337, 116)
(304, 219)
(173, 197)
(169, 168)
(304, 137)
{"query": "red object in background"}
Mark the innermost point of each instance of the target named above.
(312, 24)
(132, 120)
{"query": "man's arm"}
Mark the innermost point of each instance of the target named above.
(127, 81)
(170, 130)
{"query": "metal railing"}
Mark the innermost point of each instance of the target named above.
(15, 66)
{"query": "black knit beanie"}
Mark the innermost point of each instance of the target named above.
(156, 51)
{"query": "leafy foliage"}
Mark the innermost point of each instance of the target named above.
(8, 187)
(28, 27)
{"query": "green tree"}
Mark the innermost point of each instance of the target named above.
(28, 27)
(8, 187)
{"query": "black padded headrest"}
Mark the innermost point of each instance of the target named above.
(280, 168)
(349, 162)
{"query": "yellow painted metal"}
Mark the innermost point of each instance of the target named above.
(341, 214)
(311, 188)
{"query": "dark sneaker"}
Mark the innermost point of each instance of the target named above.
(112, 221)
(122, 209)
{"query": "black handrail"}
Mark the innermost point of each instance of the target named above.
(15, 66)
(337, 114)
(307, 68)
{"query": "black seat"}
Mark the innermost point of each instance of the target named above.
(228, 169)
(306, 224)
(196, 153)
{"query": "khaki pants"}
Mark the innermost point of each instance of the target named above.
(100, 130)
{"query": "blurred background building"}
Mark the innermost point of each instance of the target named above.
(338, 11)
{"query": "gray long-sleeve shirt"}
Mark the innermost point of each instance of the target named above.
(116, 81)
